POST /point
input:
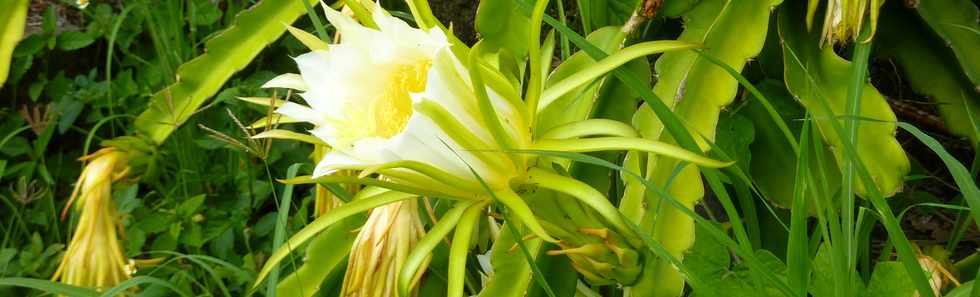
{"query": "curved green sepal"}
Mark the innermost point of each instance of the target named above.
(626, 143)
(417, 257)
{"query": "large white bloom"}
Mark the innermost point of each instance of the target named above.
(398, 93)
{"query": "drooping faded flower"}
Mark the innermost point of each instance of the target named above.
(94, 257)
(843, 19)
(381, 249)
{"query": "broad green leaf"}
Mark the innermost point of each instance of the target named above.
(822, 278)
(601, 13)
(503, 27)
(12, 19)
(696, 90)
(226, 53)
(961, 291)
(956, 22)
(889, 278)
(931, 70)
(710, 259)
(73, 40)
(819, 78)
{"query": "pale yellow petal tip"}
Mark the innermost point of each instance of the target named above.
(82, 4)
(306, 38)
(288, 81)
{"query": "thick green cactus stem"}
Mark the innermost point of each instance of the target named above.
(819, 78)
(733, 31)
(956, 22)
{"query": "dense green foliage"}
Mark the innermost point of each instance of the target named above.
(853, 170)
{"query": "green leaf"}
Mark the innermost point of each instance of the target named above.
(822, 282)
(931, 70)
(188, 207)
(956, 22)
(890, 279)
(964, 180)
(226, 53)
(48, 286)
(203, 12)
(12, 19)
(73, 40)
(503, 27)
(817, 78)
(601, 13)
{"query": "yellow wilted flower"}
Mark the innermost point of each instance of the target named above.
(843, 19)
(381, 249)
(94, 257)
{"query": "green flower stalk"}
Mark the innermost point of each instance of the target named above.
(381, 249)
(94, 257)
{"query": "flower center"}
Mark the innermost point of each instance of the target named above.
(390, 112)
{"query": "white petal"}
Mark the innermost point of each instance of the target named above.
(314, 67)
(288, 80)
(333, 160)
(302, 113)
(350, 30)
(327, 133)
(423, 141)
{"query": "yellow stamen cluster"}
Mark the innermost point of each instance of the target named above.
(94, 257)
(388, 114)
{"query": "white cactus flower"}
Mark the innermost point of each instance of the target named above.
(389, 94)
